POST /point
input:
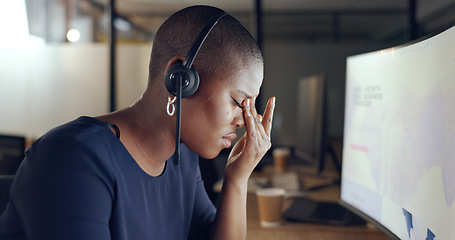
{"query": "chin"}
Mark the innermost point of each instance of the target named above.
(204, 149)
(211, 156)
(213, 153)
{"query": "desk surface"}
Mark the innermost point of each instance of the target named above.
(298, 230)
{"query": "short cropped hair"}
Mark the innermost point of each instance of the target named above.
(228, 45)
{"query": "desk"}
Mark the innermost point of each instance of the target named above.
(303, 231)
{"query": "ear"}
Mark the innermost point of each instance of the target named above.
(189, 77)
(173, 60)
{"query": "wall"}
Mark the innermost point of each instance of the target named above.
(287, 62)
(42, 87)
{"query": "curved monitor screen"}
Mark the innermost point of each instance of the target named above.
(399, 138)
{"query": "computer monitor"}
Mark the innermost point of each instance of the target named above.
(399, 138)
(311, 132)
(11, 153)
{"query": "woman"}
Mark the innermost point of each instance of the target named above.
(110, 177)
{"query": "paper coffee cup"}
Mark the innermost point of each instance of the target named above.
(270, 204)
(281, 158)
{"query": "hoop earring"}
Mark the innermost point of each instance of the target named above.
(170, 108)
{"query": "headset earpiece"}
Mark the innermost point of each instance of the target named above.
(190, 79)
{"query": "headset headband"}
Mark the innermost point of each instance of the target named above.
(200, 40)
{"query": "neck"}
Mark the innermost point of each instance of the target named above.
(147, 132)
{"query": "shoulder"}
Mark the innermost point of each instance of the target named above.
(82, 143)
(82, 128)
(83, 132)
(67, 160)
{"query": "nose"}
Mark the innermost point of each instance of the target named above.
(238, 120)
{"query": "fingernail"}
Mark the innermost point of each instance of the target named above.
(247, 102)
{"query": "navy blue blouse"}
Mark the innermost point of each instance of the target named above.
(79, 182)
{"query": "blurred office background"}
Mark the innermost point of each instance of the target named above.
(55, 54)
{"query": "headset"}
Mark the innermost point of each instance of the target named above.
(182, 80)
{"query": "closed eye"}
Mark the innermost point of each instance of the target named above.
(237, 103)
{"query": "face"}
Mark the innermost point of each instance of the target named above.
(210, 118)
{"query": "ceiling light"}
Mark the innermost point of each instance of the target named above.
(73, 35)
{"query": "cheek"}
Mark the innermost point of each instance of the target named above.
(219, 114)
(208, 117)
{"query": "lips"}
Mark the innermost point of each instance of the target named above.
(227, 140)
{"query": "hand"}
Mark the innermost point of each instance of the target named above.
(250, 149)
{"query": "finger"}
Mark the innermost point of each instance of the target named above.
(250, 125)
(268, 115)
(238, 147)
(253, 110)
(257, 142)
(259, 118)
(262, 134)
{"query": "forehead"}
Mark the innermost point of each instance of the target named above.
(246, 80)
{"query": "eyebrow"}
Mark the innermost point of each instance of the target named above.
(246, 95)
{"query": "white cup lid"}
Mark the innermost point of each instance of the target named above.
(271, 192)
(278, 152)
